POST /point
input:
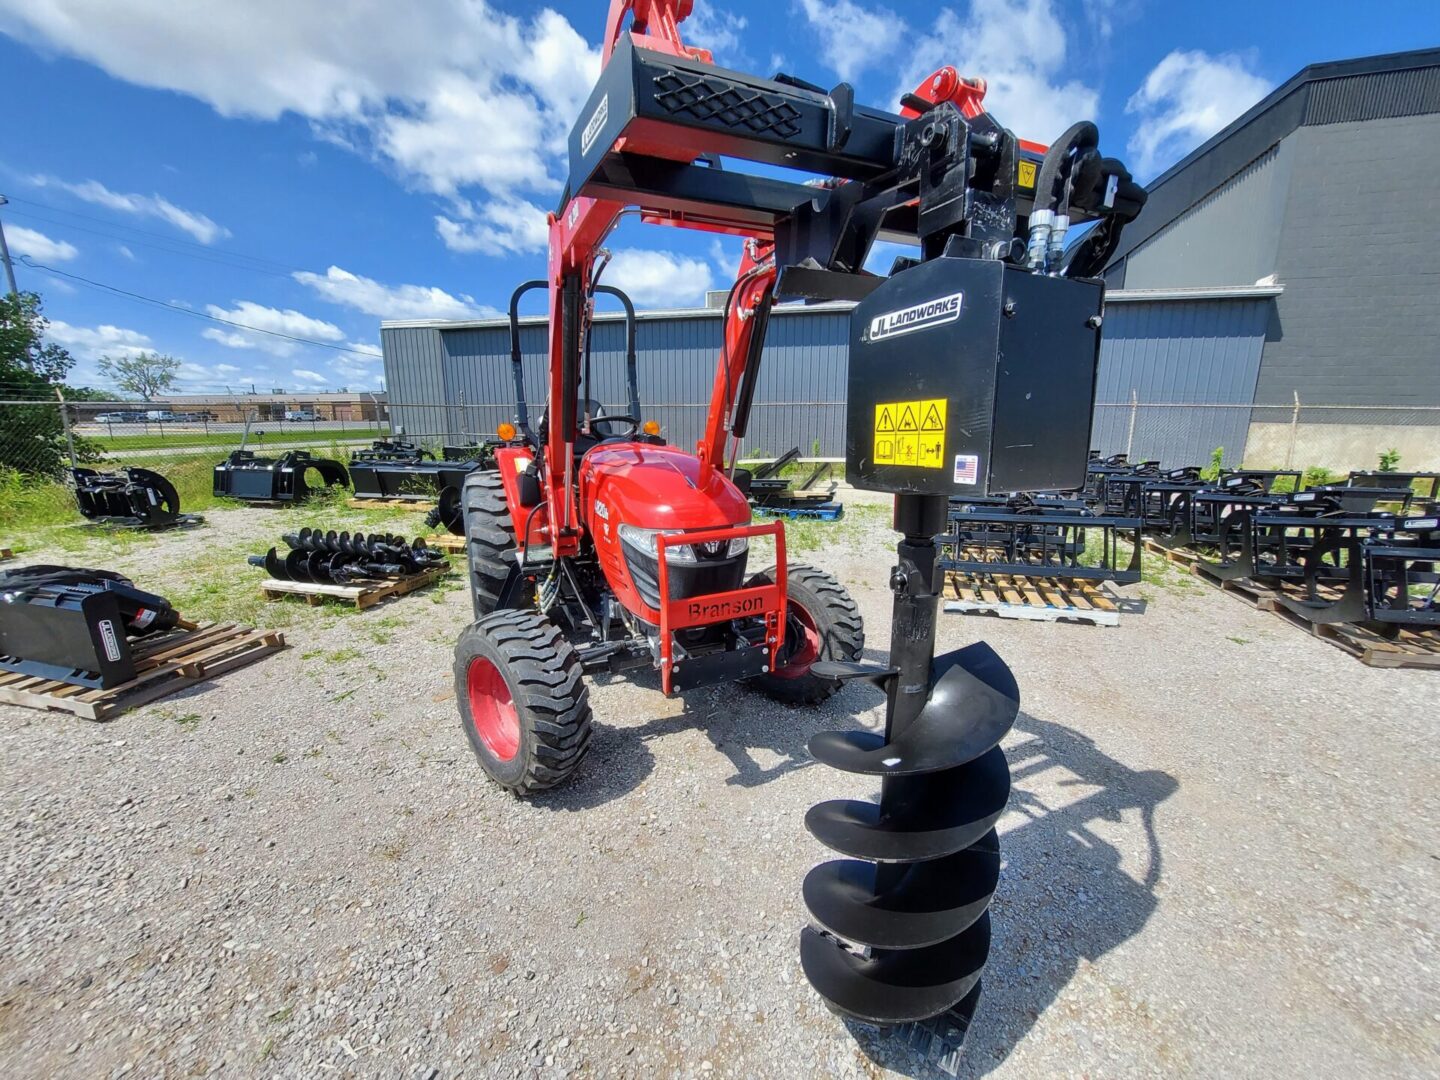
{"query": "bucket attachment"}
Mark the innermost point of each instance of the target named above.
(74, 625)
(243, 475)
(130, 498)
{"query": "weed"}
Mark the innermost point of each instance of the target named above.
(279, 1016)
(578, 921)
(344, 694)
(189, 721)
(392, 852)
(313, 752)
(280, 758)
(1239, 640)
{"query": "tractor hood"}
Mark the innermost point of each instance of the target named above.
(656, 487)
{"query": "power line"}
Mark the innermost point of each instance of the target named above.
(28, 261)
(146, 232)
(215, 257)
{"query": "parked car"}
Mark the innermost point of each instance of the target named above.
(300, 415)
(113, 418)
(161, 416)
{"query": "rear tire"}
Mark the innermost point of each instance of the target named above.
(822, 623)
(490, 538)
(523, 702)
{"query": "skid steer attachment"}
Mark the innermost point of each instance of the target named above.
(243, 475)
(129, 498)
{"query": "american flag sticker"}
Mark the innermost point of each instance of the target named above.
(967, 468)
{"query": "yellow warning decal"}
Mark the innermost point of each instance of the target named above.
(1025, 174)
(911, 433)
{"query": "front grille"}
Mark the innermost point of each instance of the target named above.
(686, 579)
(709, 100)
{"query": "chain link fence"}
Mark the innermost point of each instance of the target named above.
(39, 438)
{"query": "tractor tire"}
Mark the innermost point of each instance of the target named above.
(489, 536)
(523, 702)
(822, 623)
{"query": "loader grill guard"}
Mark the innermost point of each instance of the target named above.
(763, 603)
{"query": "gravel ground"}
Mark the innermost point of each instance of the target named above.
(1220, 859)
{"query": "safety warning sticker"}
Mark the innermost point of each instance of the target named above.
(1025, 174)
(911, 433)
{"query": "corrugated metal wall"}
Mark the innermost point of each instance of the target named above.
(1193, 364)
(454, 381)
(1201, 353)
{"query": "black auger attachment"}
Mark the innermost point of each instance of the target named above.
(129, 498)
(902, 924)
(332, 558)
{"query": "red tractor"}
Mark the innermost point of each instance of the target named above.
(594, 545)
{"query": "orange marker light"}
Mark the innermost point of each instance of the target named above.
(506, 432)
(651, 427)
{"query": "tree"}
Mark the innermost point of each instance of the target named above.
(32, 437)
(146, 373)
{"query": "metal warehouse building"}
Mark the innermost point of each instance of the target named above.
(1279, 297)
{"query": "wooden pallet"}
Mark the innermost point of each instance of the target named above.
(412, 502)
(1410, 649)
(1012, 596)
(6, 554)
(446, 542)
(362, 595)
(163, 667)
(1260, 597)
(1179, 556)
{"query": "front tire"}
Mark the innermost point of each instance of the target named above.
(821, 623)
(489, 536)
(524, 706)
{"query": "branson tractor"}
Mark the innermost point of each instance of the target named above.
(596, 546)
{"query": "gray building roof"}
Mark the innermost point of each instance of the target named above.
(1367, 88)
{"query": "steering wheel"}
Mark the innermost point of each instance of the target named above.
(600, 426)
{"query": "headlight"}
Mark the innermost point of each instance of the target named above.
(643, 540)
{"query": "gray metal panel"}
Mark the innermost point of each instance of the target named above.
(1370, 97)
(456, 381)
(1230, 237)
(1201, 353)
(1360, 261)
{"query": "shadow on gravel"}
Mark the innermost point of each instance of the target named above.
(763, 739)
(1063, 898)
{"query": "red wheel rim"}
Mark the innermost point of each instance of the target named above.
(801, 629)
(492, 709)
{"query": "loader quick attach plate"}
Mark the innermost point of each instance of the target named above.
(971, 377)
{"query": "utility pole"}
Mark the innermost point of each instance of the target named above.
(5, 254)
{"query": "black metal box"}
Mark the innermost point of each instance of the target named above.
(968, 376)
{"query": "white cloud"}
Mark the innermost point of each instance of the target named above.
(450, 93)
(37, 245)
(305, 375)
(852, 37)
(93, 342)
(154, 206)
(226, 369)
(363, 347)
(1018, 47)
(126, 252)
(288, 321)
(391, 301)
(659, 278)
(497, 226)
(713, 28)
(1186, 98)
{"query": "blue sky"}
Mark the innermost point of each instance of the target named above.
(310, 169)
